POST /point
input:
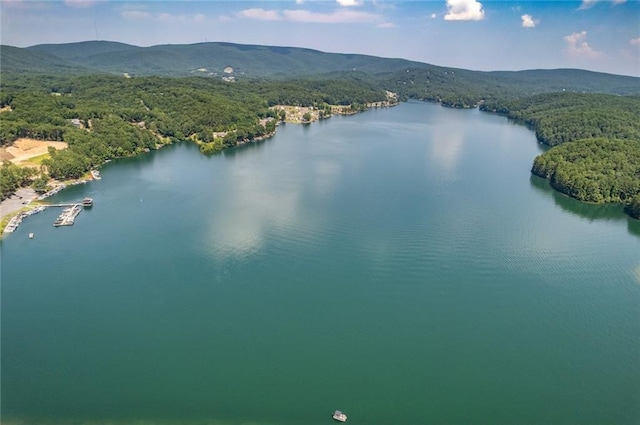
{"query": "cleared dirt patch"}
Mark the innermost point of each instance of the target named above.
(22, 150)
(295, 113)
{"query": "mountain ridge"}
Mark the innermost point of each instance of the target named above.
(231, 61)
(80, 51)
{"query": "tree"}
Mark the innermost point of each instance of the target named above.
(633, 207)
(12, 177)
(40, 184)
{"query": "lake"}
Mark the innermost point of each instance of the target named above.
(401, 265)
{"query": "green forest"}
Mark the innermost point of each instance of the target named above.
(105, 103)
(103, 117)
(593, 170)
(564, 117)
(595, 139)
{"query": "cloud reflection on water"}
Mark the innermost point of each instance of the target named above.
(258, 200)
(445, 151)
(250, 206)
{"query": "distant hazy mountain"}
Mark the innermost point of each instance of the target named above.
(212, 58)
(458, 87)
(14, 59)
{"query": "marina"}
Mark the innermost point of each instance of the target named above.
(17, 219)
(68, 216)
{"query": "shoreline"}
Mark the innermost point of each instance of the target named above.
(23, 200)
(26, 199)
(23, 197)
(26, 196)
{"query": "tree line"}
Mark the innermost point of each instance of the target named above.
(104, 116)
(595, 139)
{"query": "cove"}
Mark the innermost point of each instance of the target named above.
(400, 265)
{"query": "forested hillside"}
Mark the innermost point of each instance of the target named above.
(14, 60)
(564, 117)
(111, 99)
(598, 157)
(461, 88)
(104, 116)
(211, 59)
(451, 86)
(593, 170)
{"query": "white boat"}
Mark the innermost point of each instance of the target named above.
(30, 235)
(339, 416)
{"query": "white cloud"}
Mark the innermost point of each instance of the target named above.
(135, 14)
(133, 6)
(464, 10)
(340, 16)
(635, 42)
(161, 17)
(299, 1)
(79, 3)
(386, 25)
(578, 47)
(349, 3)
(588, 4)
(20, 4)
(260, 14)
(434, 16)
(165, 17)
(528, 21)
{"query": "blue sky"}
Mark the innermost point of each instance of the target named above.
(473, 34)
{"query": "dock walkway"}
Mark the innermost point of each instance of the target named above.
(66, 218)
(68, 215)
(17, 219)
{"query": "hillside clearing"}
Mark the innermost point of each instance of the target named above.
(23, 150)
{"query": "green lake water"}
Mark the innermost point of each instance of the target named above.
(401, 265)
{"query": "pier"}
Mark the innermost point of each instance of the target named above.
(17, 219)
(66, 218)
(71, 211)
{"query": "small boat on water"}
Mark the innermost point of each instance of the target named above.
(339, 416)
(87, 202)
(95, 174)
(30, 235)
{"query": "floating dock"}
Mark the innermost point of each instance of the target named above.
(51, 192)
(71, 211)
(17, 219)
(68, 216)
